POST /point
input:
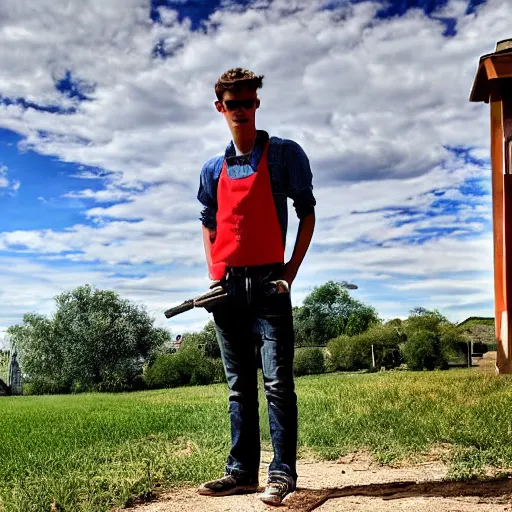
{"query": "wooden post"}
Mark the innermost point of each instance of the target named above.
(14, 382)
(493, 84)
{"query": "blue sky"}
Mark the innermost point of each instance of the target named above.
(107, 117)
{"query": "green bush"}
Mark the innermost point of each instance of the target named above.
(430, 350)
(421, 352)
(308, 361)
(188, 366)
(218, 371)
(352, 353)
(205, 339)
(386, 341)
(346, 353)
(432, 341)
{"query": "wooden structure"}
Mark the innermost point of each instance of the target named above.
(493, 84)
(14, 382)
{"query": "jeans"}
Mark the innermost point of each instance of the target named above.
(256, 314)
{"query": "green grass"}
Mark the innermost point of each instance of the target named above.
(95, 451)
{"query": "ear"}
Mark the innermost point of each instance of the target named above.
(219, 107)
(257, 103)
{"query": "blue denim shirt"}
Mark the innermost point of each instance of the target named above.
(290, 177)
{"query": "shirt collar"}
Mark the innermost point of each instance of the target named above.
(259, 145)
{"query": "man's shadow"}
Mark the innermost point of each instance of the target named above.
(307, 500)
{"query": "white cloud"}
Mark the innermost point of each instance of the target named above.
(374, 102)
(9, 186)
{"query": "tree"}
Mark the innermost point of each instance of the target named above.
(431, 340)
(329, 311)
(211, 345)
(4, 364)
(94, 341)
(206, 339)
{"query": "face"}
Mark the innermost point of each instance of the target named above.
(239, 109)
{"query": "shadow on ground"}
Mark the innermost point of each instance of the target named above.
(307, 500)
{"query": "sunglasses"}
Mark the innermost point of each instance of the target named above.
(234, 104)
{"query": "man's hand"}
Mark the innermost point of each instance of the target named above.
(289, 273)
(304, 234)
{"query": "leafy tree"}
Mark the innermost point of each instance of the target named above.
(42, 355)
(395, 322)
(421, 318)
(431, 340)
(4, 364)
(211, 345)
(329, 311)
(94, 341)
(205, 339)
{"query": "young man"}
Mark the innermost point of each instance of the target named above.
(244, 194)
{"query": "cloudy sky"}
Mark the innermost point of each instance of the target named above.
(107, 116)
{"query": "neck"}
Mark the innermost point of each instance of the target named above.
(245, 141)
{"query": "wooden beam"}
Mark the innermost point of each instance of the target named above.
(497, 205)
(490, 69)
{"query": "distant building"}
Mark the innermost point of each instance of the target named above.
(11, 382)
(479, 333)
(479, 330)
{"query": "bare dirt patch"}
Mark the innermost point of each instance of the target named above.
(356, 483)
(487, 363)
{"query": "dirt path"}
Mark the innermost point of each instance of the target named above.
(356, 484)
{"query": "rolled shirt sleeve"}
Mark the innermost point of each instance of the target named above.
(300, 180)
(206, 197)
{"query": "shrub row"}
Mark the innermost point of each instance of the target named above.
(352, 353)
(190, 366)
(187, 367)
(386, 346)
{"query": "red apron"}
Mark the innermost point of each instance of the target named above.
(248, 229)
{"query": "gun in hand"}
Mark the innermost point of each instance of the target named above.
(216, 294)
(209, 298)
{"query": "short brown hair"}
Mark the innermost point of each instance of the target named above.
(235, 79)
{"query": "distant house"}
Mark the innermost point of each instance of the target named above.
(479, 329)
(477, 320)
(480, 332)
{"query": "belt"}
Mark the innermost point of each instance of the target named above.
(255, 271)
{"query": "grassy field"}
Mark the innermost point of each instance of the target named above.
(95, 451)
